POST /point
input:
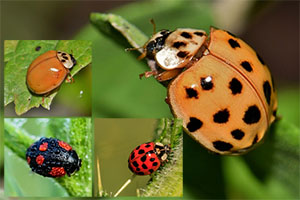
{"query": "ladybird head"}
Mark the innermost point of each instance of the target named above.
(74, 163)
(162, 151)
(66, 59)
(156, 43)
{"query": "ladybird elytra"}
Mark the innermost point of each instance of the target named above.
(148, 157)
(51, 157)
(224, 94)
(48, 71)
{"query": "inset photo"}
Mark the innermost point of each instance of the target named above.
(47, 78)
(48, 157)
(138, 157)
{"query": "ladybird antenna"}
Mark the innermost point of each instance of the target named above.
(125, 185)
(154, 25)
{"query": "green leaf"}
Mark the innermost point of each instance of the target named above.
(19, 55)
(76, 131)
(169, 178)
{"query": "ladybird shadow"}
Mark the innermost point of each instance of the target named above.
(202, 172)
(260, 160)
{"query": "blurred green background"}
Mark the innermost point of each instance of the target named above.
(270, 27)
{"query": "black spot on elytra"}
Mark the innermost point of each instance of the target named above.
(252, 115)
(148, 145)
(38, 48)
(205, 84)
(191, 93)
(138, 147)
(138, 169)
(182, 54)
(132, 156)
(246, 65)
(152, 159)
(155, 164)
(179, 44)
(222, 146)
(143, 159)
(141, 151)
(267, 91)
(134, 163)
(186, 35)
(255, 140)
(194, 124)
(144, 166)
(233, 43)
(237, 134)
(130, 168)
(199, 33)
(140, 173)
(235, 86)
(260, 59)
(151, 171)
(221, 116)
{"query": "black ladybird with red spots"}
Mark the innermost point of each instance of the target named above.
(147, 158)
(51, 157)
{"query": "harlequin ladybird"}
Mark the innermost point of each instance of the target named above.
(51, 157)
(219, 86)
(147, 158)
(48, 71)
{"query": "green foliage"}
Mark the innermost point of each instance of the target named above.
(75, 131)
(168, 180)
(19, 54)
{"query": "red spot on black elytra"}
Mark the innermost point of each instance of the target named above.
(43, 147)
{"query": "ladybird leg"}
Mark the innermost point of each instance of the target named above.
(167, 75)
(148, 74)
(69, 79)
